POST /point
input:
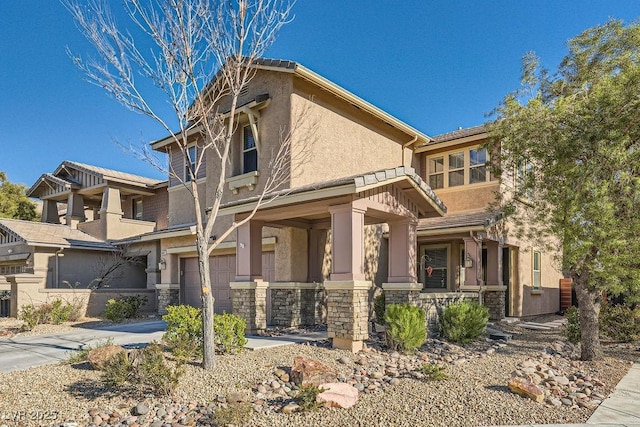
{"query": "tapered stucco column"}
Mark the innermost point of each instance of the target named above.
(75, 210)
(402, 251)
(110, 211)
(494, 290)
(347, 291)
(249, 291)
(50, 212)
(472, 255)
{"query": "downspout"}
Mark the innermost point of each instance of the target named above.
(478, 266)
(58, 254)
(406, 144)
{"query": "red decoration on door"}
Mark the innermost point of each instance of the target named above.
(429, 271)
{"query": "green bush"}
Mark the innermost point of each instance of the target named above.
(464, 321)
(60, 312)
(573, 325)
(229, 332)
(30, 315)
(620, 323)
(379, 308)
(433, 372)
(235, 414)
(145, 370)
(119, 309)
(184, 331)
(406, 329)
(307, 396)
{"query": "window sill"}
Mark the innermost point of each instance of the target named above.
(536, 291)
(248, 180)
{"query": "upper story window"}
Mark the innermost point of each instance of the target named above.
(524, 179)
(477, 165)
(190, 163)
(137, 209)
(249, 151)
(457, 168)
(537, 267)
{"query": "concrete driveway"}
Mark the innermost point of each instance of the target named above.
(25, 352)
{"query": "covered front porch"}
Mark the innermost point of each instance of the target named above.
(336, 213)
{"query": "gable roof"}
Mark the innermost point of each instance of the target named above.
(51, 235)
(286, 66)
(458, 222)
(456, 136)
(110, 174)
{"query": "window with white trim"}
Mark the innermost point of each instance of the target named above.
(190, 163)
(537, 262)
(477, 165)
(137, 209)
(456, 169)
(249, 151)
(436, 172)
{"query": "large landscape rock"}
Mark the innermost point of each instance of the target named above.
(307, 371)
(526, 388)
(97, 357)
(338, 395)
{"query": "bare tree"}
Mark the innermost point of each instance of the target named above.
(201, 55)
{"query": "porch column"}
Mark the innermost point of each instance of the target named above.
(110, 211)
(50, 212)
(402, 251)
(75, 210)
(347, 291)
(472, 262)
(494, 290)
(249, 291)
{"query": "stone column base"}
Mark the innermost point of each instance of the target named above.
(296, 304)
(401, 293)
(348, 313)
(494, 300)
(167, 294)
(249, 301)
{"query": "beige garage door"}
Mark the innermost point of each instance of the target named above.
(222, 272)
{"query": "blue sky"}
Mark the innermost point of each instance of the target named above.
(437, 65)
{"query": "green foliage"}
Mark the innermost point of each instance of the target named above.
(82, 355)
(14, 202)
(55, 312)
(30, 315)
(184, 331)
(379, 308)
(119, 309)
(573, 324)
(579, 129)
(464, 321)
(307, 397)
(229, 332)
(235, 413)
(433, 372)
(145, 370)
(620, 323)
(406, 328)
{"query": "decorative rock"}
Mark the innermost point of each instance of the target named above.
(307, 371)
(290, 408)
(562, 380)
(97, 357)
(394, 381)
(141, 409)
(344, 360)
(526, 388)
(339, 395)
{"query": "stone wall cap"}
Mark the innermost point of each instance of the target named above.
(406, 286)
(434, 295)
(295, 285)
(348, 284)
(161, 286)
(249, 285)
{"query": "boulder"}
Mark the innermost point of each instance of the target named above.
(307, 371)
(99, 356)
(337, 395)
(526, 388)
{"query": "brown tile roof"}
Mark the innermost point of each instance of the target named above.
(42, 233)
(459, 220)
(456, 134)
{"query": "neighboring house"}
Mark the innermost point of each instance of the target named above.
(371, 204)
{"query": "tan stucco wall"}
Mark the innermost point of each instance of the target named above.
(528, 301)
(468, 197)
(181, 204)
(344, 140)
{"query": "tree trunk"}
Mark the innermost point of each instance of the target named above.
(208, 339)
(589, 310)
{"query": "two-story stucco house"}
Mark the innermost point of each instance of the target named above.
(371, 204)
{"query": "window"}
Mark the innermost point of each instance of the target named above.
(249, 151)
(137, 209)
(456, 169)
(190, 163)
(434, 263)
(477, 165)
(536, 269)
(436, 173)
(524, 179)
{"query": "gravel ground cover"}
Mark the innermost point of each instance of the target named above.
(475, 393)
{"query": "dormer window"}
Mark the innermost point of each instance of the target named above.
(249, 151)
(190, 163)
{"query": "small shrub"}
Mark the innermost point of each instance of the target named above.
(379, 308)
(119, 309)
(229, 332)
(307, 397)
(464, 321)
(146, 370)
(184, 331)
(236, 414)
(433, 372)
(30, 315)
(60, 312)
(620, 323)
(572, 329)
(406, 329)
